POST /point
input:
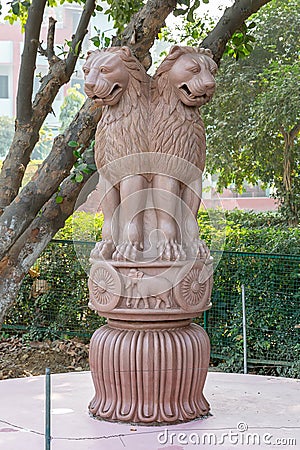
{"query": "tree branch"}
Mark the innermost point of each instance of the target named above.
(31, 42)
(231, 21)
(52, 58)
(79, 36)
(294, 131)
(49, 51)
(56, 167)
(143, 28)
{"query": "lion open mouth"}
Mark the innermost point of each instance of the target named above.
(112, 93)
(185, 88)
(116, 88)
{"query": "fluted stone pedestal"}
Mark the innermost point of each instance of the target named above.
(149, 364)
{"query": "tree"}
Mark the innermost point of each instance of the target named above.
(254, 121)
(31, 217)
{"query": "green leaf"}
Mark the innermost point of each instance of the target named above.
(205, 1)
(15, 7)
(237, 40)
(179, 12)
(77, 153)
(190, 16)
(107, 41)
(82, 166)
(195, 34)
(59, 199)
(251, 25)
(73, 144)
(96, 41)
(77, 48)
(78, 177)
(249, 47)
(92, 167)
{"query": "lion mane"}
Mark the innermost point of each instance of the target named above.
(177, 129)
(122, 129)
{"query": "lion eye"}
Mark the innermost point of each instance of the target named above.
(85, 70)
(103, 70)
(195, 69)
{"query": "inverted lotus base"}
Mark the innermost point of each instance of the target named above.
(149, 376)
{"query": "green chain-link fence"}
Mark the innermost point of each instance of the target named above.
(53, 304)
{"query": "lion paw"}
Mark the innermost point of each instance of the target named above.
(199, 249)
(127, 251)
(170, 250)
(103, 249)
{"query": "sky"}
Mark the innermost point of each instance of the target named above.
(215, 7)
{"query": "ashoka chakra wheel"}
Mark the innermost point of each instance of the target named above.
(193, 289)
(104, 286)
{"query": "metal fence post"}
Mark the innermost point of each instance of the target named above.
(205, 314)
(48, 410)
(244, 329)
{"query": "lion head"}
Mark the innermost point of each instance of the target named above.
(190, 73)
(108, 73)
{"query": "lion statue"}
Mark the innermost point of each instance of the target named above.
(116, 80)
(147, 116)
(183, 82)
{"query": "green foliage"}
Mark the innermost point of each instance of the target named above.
(19, 9)
(257, 101)
(248, 232)
(187, 8)
(100, 40)
(272, 313)
(84, 163)
(70, 106)
(121, 12)
(55, 303)
(82, 226)
(7, 130)
(18, 12)
(189, 32)
(241, 43)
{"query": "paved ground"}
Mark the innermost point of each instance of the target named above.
(249, 411)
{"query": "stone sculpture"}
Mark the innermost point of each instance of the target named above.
(160, 290)
(116, 80)
(150, 274)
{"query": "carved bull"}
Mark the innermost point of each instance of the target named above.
(147, 287)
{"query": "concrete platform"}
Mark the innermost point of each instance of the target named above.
(248, 411)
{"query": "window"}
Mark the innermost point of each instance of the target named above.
(3, 86)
